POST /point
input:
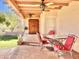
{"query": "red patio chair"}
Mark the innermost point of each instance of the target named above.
(44, 41)
(67, 47)
(52, 32)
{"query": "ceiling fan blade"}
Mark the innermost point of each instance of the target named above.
(48, 4)
(54, 7)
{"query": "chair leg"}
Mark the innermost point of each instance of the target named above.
(59, 53)
(71, 54)
(42, 46)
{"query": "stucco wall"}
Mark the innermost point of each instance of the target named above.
(48, 21)
(67, 21)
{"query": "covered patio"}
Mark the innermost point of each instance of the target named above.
(59, 16)
(38, 15)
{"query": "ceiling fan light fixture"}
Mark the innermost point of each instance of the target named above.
(42, 5)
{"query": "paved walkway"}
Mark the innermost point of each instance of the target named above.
(30, 52)
(26, 52)
(6, 52)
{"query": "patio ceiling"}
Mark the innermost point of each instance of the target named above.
(26, 7)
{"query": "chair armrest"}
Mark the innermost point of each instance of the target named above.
(47, 38)
(61, 39)
(55, 41)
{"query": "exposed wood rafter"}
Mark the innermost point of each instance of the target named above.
(61, 4)
(25, 7)
(26, 2)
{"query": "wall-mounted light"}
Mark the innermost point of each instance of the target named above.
(30, 15)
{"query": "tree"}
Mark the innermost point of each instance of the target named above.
(2, 18)
(8, 21)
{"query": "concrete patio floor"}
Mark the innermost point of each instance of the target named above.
(26, 52)
(31, 52)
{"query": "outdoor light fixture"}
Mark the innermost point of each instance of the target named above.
(42, 5)
(30, 15)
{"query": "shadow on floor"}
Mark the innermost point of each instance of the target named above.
(75, 55)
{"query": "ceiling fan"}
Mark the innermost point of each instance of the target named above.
(48, 6)
(42, 5)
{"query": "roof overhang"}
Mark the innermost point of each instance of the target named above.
(26, 7)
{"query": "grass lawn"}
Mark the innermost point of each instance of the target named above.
(8, 41)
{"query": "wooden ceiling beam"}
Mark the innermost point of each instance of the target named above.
(27, 11)
(39, 9)
(59, 7)
(26, 2)
(61, 4)
(30, 11)
(28, 7)
(75, 0)
(24, 7)
(32, 7)
(36, 10)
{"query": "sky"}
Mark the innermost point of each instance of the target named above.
(4, 7)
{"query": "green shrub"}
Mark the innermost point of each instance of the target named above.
(7, 37)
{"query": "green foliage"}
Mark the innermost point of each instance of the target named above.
(8, 41)
(2, 18)
(7, 37)
(7, 23)
(11, 20)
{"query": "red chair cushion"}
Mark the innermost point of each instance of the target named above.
(68, 44)
(45, 42)
(52, 32)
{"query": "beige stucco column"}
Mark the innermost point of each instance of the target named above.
(48, 21)
(42, 23)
